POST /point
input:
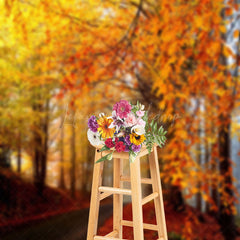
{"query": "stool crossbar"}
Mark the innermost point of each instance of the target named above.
(100, 192)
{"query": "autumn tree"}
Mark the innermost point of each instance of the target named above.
(170, 55)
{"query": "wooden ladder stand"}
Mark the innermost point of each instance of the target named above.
(100, 192)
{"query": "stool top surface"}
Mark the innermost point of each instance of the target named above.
(125, 155)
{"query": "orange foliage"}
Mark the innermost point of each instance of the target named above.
(174, 48)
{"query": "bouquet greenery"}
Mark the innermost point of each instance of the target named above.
(126, 130)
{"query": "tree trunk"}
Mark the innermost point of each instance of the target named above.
(214, 166)
(40, 166)
(45, 147)
(198, 195)
(214, 185)
(226, 217)
(5, 156)
(41, 147)
(207, 166)
(176, 198)
(73, 163)
(87, 169)
(61, 179)
(19, 152)
(37, 159)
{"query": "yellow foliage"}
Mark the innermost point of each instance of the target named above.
(87, 48)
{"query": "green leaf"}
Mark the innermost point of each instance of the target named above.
(151, 124)
(104, 148)
(134, 109)
(145, 117)
(150, 139)
(146, 127)
(106, 157)
(160, 130)
(155, 127)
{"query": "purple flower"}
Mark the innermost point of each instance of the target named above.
(136, 148)
(92, 123)
(126, 148)
(127, 140)
(122, 108)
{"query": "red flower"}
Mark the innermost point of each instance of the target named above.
(120, 147)
(109, 143)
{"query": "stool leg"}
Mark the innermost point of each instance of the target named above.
(95, 197)
(117, 198)
(158, 202)
(136, 199)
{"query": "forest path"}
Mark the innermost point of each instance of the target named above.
(68, 226)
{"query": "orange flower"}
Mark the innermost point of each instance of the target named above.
(104, 129)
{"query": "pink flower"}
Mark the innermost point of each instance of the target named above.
(130, 120)
(122, 108)
(140, 113)
(141, 122)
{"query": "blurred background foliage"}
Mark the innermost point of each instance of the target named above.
(61, 61)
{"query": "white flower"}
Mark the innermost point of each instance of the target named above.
(112, 125)
(138, 129)
(101, 115)
(120, 134)
(114, 114)
(141, 107)
(117, 121)
(115, 117)
(94, 138)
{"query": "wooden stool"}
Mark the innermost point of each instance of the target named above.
(100, 192)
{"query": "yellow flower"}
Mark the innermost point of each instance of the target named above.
(137, 139)
(104, 129)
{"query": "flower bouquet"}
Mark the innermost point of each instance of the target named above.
(126, 130)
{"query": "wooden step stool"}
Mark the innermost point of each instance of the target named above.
(100, 192)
